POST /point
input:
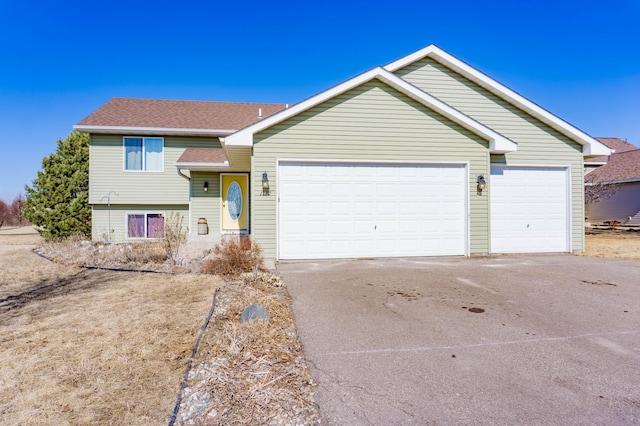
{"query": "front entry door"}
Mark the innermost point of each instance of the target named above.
(235, 202)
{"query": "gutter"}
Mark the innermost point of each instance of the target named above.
(612, 181)
(151, 130)
(203, 166)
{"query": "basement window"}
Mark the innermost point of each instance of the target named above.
(145, 225)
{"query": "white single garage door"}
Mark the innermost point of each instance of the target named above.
(339, 210)
(529, 210)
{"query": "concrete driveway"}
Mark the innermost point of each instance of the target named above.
(554, 339)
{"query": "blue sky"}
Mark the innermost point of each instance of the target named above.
(59, 61)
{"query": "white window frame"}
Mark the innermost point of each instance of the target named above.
(144, 154)
(146, 231)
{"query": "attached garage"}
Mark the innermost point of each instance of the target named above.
(353, 210)
(425, 156)
(529, 209)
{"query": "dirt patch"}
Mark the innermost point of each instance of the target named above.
(613, 244)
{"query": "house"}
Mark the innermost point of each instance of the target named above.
(425, 156)
(619, 180)
(617, 145)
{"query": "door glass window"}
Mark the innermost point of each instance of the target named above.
(234, 201)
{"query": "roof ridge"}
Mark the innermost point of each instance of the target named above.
(196, 101)
(626, 152)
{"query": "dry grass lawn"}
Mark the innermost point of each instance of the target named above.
(614, 244)
(83, 346)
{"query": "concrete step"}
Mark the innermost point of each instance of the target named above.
(634, 220)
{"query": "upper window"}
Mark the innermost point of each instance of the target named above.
(144, 154)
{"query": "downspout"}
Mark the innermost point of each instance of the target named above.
(182, 174)
(189, 179)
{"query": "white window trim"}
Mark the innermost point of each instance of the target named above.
(144, 165)
(126, 225)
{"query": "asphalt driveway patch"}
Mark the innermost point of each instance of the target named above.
(554, 339)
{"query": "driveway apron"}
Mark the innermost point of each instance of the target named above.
(543, 339)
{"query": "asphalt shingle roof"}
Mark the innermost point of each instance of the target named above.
(617, 144)
(622, 166)
(203, 155)
(153, 113)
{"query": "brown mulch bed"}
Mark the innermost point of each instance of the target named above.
(251, 372)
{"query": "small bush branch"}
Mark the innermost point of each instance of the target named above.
(233, 256)
(596, 192)
(175, 234)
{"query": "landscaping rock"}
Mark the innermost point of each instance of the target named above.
(254, 313)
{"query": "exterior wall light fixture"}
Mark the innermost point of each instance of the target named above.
(481, 183)
(265, 184)
(205, 188)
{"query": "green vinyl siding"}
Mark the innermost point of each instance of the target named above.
(372, 122)
(116, 216)
(538, 143)
(107, 174)
(205, 204)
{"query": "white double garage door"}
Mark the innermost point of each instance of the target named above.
(358, 210)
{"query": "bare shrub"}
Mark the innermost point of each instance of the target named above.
(174, 235)
(231, 260)
(142, 252)
(139, 255)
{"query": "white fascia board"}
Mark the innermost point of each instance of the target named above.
(151, 130)
(596, 149)
(202, 166)
(498, 144)
(244, 137)
(590, 146)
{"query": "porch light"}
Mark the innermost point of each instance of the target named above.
(205, 188)
(481, 183)
(265, 184)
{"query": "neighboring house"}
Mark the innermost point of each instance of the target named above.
(620, 178)
(425, 156)
(617, 145)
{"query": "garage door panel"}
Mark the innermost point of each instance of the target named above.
(371, 210)
(316, 189)
(362, 190)
(529, 210)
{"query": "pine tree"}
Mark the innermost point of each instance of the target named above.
(58, 201)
